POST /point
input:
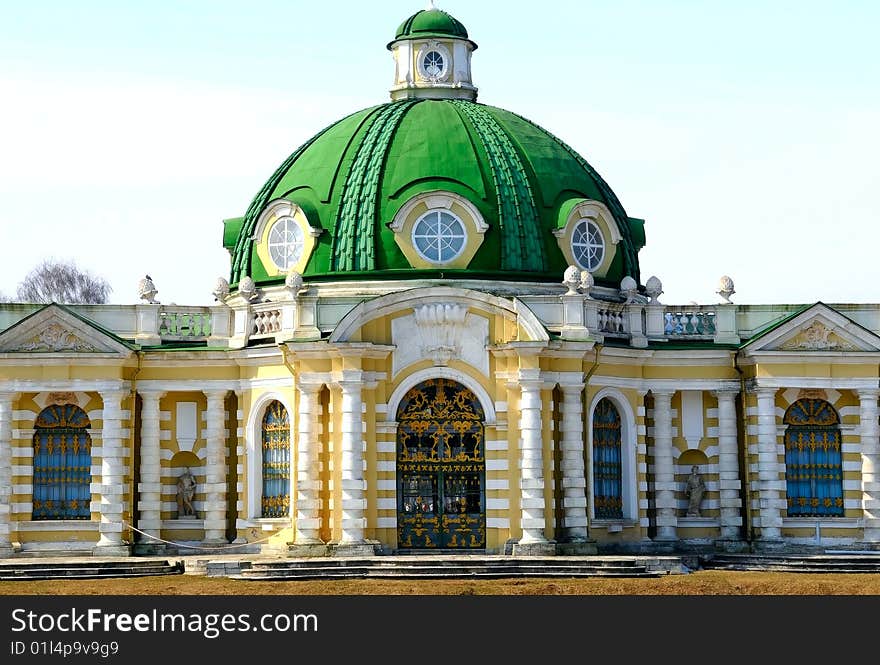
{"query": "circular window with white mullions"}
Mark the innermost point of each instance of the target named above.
(286, 242)
(434, 64)
(439, 236)
(587, 245)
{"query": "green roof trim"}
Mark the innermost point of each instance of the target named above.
(519, 225)
(353, 242)
(775, 324)
(231, 231)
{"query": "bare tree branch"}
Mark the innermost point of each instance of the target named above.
(62, 282)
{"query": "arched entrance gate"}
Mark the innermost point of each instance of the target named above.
(441, 468)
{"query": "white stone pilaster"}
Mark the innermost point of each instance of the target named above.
(215, 468)
(870, 444)
(308, 480)
(150, 485)
(531, 458)
(352, 462)
(574, 484)
(769, 483)
(6, 400)
(112, 476)
(728, 466)
(664, 470)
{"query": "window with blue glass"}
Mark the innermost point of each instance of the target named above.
(813, 461)
(607, 470)
(62, 464)
(276, 461)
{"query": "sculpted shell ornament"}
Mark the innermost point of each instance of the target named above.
(56, 338)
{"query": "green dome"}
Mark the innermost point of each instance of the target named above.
(431, 23)
(353, 177)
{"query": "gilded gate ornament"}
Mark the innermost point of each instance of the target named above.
(441, 468)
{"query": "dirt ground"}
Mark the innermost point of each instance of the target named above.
(709, 582)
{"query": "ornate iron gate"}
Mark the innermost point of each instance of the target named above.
(441, 468)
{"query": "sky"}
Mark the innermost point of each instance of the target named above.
(746, 133)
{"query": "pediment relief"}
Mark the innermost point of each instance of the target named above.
(817, 337)
(819, 329)
(55, 330)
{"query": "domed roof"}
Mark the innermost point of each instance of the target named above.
(354, 176)
(431, 23)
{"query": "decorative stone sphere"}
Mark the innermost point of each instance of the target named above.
(247, 289)
(725, 288)
(653, 287)
(571, 278)
(221, 289)
(293, 282)
(629, 288)
(587, 282)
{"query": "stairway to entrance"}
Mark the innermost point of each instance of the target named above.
(812, 563)
(70, 570)
(469, 566)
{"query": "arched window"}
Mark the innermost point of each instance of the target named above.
(62, 464)
(813, 465)
(607, 472)
(276, 461)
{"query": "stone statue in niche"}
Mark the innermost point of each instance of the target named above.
(695, 488)
(186, 492)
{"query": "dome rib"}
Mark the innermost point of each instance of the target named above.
(353, 247)
(522, 241)
(241, 255)
(631, 262)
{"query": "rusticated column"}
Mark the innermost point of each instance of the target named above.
(112, 476)
(664, 470)
(150, 485)
(6, 400)
(215, 469)
(728, 466)
(574, 484)
(308, 480)
(870, 444)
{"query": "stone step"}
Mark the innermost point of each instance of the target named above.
(430, 570)
(81, 575)
(448, 563)
(41, 570)
(433, 574)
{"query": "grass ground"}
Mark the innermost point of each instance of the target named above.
(709, 582)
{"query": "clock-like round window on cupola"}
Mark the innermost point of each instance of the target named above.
(434, 64)
(286, 243)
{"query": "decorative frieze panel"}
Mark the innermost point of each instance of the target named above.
(440, 332)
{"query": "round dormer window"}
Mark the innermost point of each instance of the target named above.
(439, 236)
(286, 243)
(587, 245)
